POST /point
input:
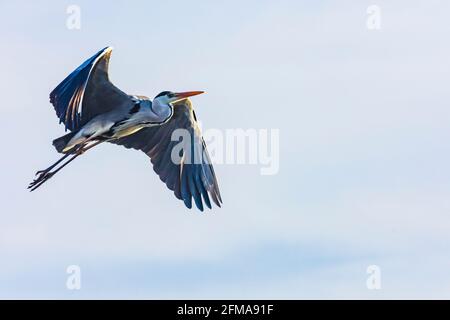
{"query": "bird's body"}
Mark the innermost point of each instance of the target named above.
(121, 122)
(95, 111)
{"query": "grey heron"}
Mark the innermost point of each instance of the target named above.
(96, 111)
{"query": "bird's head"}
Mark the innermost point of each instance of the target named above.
(162, 105)
(169, 97)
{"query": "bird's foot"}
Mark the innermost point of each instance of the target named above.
(43, 176)
(41, 172)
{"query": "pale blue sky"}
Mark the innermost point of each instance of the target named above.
(364, 175)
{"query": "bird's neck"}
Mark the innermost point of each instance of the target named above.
(163, 110)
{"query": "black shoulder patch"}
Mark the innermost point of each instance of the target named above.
(135, 108)
(163, 93)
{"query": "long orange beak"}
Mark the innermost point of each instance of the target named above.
(188, 94)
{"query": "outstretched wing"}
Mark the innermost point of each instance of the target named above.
(191, 175)
(87, 92)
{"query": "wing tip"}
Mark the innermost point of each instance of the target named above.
(107, 50)
(188, 204)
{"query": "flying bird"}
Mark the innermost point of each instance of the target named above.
(96, 111)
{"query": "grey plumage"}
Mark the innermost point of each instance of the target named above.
(95, 111)
(189, 179)
(61, 142)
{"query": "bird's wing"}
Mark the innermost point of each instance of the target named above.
(193, 176)
(87, 92)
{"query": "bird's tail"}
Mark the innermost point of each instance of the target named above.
(61, 142)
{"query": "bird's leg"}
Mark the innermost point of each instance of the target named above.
(43, 172)
(85, 147)
(78, 152)
(47, 174)
(78, 149)
(41, 179)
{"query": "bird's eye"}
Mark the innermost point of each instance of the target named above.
(170, 95)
